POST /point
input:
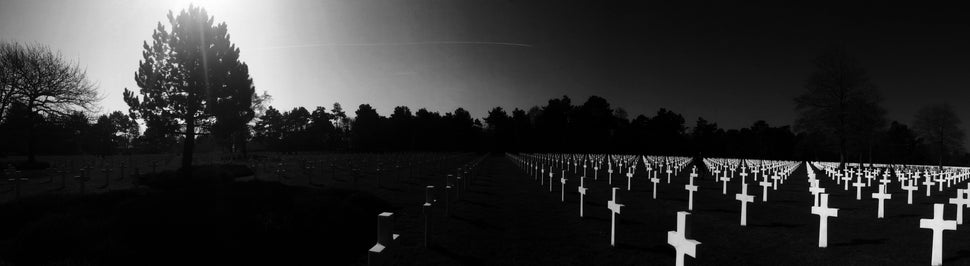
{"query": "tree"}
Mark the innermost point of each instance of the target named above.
(188, 74)
(402, 126)
(234, 108)
(366, 128)
(269, 128)
(45, 83)
(704, 137)
(8, 59)
(939, 125)
(841, 101)
(321, 129)
(125, 129)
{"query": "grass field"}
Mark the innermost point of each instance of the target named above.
(503, 218)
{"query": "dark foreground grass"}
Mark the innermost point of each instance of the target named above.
(236, 223)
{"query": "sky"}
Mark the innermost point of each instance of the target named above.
(731, 63)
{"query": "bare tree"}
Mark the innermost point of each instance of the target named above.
(939, 125)
(46, 83)
(841, 102)
(8, 59)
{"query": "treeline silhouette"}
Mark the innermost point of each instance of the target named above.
(558, 126)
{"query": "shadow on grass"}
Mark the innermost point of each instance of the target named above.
(778, 225)
(962, 254)
(478, 223)
(464, 259)
(665, 250)
(862, 241)
(240, 223)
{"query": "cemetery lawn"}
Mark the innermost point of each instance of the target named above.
(241, 223)
(503, 218)
(507, 218)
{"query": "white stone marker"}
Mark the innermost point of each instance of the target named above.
(582, 194)
(764, 185)
(654, 180)
(846, 180)
(614, 206)
(562, 190)
(858, 188)
(542, 180)
(961, 201)
(909, 190)
(679, 239)
(668, 174)
(744, 198)
(691, 188)
(929, 184)
(824, 212)
(774, 181)
(724, 180)
(596, 172)
(816, 190)
(378, 254)
(743, 177)
(610, 171)
(882, 196)
(550, 179)
(937, 224)
(629, 180)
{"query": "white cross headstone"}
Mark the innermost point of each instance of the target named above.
(724, 180)
(610, 172)
(824, 212)
(582, 193)
(909, 190)
(744, 198)
(680, 239)
(541, 175)
(764, 194)
(937, 224)
(654, 180)
(961, 201)
(774, 182)
(882, 196)
(378, 254)
(614, 206)
(929, 184)
(691, 188)
(562, 189)
(816, 190)
(550, 179)
(629, 180)
(858, 188)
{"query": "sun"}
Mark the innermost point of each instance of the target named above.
(210, 6)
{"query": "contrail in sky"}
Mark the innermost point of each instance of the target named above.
(395, 44)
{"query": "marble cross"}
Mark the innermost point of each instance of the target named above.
(938, 225)
(744, 198)
(824, 212)
(882, 196)
(680, 241)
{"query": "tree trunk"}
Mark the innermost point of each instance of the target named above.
(188, 148)
(31, 140)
